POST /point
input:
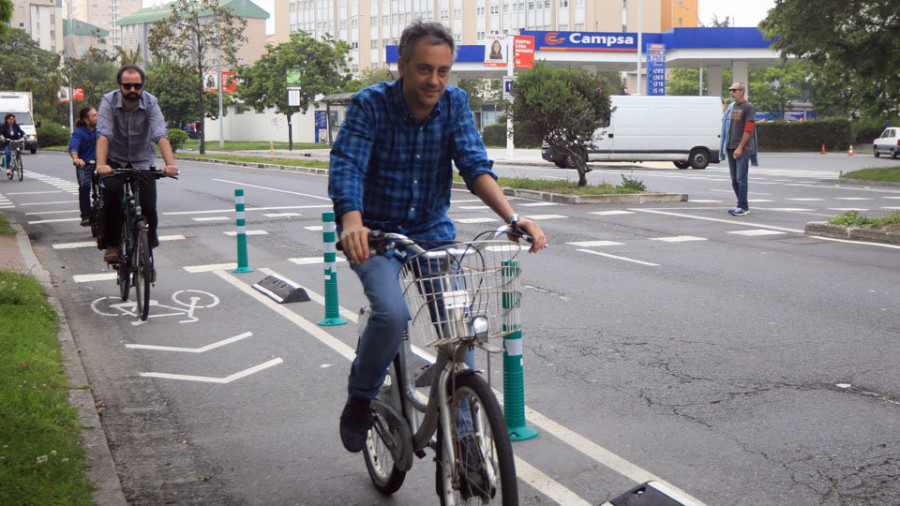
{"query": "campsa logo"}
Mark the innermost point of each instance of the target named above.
(552, 39)
(601, 40)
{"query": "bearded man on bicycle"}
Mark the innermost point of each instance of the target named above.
(129, 122)
(391, 170)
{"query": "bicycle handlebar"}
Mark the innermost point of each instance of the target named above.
(381, 242)
(132, 173)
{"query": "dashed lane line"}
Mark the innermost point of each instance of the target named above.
(756, 232)
(733, 221)
(233, 233)
(679, 238)
(268, 188)
(617, 257)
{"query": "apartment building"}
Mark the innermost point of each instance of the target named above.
(104, 14)
(42, 20)
(134, 30)
(84, 36)
(371, 25)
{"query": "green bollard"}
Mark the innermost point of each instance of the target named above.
(513, 383)
(332, 308)
(241, 232)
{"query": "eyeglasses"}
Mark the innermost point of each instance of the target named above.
(733, 90)
(129, 86)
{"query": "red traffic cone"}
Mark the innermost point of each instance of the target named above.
(850, 153)
(823, 149)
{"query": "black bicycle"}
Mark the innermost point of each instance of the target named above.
(135, 266)
(16, 168)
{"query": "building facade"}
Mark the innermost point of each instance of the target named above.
(105, 14)
(42, 20)
(134, 30)
(369, 26)
(84, 36)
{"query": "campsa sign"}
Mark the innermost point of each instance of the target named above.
(584, 41)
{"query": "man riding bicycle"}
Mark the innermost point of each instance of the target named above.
(129, 122)
(83, 150)
(391, 170)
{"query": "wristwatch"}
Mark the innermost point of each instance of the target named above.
(512, 218)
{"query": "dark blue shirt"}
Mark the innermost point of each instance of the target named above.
(398, 171)
(84, 142)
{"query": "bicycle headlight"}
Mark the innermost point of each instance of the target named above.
(479, 326)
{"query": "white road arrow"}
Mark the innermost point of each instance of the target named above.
(190, 350)
(209, 379)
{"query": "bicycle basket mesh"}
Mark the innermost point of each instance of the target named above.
(447, 287)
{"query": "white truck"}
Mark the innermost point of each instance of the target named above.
(19, 103)
(682, 130)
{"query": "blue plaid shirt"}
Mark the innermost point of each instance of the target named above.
(397, 171)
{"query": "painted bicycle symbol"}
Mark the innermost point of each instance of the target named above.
(187, 301)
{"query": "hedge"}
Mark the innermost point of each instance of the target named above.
(835, 134)
(495, 135)
(50, 134)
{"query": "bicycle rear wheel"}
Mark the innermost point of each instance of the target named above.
(481, 469)
(20, 169)
(388, 437)
(142, 272)
(96, 204)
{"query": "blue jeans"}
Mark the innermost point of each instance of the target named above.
(84, 175)
(8, 152)
(381, 339)
(739, 167)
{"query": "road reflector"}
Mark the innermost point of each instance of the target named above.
(281, 290)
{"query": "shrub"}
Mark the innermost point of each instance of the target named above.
(50, 134)
(835, 134)
(867, 130)
(495, 135)
(177, 138)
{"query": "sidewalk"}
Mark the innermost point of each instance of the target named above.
(16, 255)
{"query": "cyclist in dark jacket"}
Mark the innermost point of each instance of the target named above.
(10, 131)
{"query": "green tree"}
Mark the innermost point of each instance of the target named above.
(322, 66)
(470, 86)
(20, 56)
(367, 77)
(94, 72)
(6, 11)
(45, 98)
(129, 56)
(201, 35)
(562, 106)
(775, 88)
(860, 38)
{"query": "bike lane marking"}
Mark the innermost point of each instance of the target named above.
(533, 477)
(210, 379)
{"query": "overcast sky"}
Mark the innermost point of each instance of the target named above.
(743, 12)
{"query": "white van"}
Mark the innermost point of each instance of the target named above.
(19, 103)
(683, 130)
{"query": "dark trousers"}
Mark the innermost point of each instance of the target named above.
(111, 214)
(84, 175)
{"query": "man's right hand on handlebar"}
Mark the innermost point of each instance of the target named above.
(355, 237)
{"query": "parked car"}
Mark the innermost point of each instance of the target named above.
(888, 143)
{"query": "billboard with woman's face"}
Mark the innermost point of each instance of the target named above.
(495, 51)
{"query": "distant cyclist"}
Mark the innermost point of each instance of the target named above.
(129, 122)
(82, 148)
(10, 131)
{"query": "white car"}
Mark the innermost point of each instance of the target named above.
(888, 143)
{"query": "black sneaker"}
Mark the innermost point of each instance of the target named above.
(356, 420)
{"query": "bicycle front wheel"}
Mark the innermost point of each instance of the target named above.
(20, 169)
(481, 469)
(123, 277)
(142, 272)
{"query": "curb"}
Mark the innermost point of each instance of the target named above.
(863, 182)
(101, 469)
(825, 229)
(623, 198)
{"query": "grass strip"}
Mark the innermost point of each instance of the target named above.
(886, 174)
(855, 220)
(41, 459)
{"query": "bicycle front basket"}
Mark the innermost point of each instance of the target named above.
(448, 288)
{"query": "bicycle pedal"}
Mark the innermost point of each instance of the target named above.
(420, 453)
